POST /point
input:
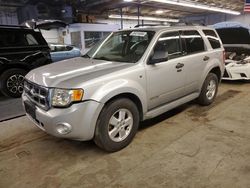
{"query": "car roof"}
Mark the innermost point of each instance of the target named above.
(16, 27)
(166, 28)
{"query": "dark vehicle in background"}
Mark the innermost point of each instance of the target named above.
(21, 50)
(61, 51)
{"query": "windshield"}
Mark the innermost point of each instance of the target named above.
(123, 46)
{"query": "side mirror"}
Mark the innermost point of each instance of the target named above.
(157, 57)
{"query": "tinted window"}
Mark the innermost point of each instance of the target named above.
(193, 41)
(213, 38)
(60, 48)
(12, 39)
(16, 38)
(168, 44)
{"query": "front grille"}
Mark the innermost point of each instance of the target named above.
(37, 94)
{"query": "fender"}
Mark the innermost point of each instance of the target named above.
(213, 63)
(121, 86)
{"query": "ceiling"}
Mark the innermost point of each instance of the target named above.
(147, 7)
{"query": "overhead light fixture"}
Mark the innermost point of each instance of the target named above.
(198, 6)
(159, 12)
(128, 0)
(127, 17)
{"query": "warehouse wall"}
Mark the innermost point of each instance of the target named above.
(8, 17)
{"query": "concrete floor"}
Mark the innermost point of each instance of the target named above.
(10, 108)
(191, 146)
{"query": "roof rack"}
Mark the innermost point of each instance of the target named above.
(186, 24)
(149, 25)
(170, 24)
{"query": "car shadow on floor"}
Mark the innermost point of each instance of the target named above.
(163, 117)
(235, 82)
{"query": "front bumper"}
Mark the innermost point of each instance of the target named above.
(82, 118)
(237, 72)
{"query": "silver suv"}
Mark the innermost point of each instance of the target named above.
(130, 76)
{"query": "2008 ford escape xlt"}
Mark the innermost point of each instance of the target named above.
(130, 76)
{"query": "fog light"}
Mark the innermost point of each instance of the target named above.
(63, 128)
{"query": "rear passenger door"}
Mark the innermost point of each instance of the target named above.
(196, 58)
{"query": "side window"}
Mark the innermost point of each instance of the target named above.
(193, 41)
(12, 38)
(68, 48)
(168, 47)
(31, 40)
(213, 38)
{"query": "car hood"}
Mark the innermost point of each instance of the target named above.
(71, 73)
(235, 36)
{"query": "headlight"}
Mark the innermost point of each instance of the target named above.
(64, 97)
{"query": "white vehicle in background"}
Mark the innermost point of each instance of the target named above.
(236, 41)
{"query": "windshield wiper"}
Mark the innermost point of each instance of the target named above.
(86, 56)
(102, 58)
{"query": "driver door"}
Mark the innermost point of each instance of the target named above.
(166, 72)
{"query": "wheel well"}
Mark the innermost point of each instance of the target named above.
(217, 72)
(133, 98)
(14, 66)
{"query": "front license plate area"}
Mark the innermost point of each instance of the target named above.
(30, 109)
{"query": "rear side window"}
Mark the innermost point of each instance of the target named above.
(16, 38)
(193, 41)
(170, 43)
(213, 38)
(12, 39)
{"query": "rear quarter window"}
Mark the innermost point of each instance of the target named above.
(212, 38)
(12, 38)
(193, 41)
(18, 38)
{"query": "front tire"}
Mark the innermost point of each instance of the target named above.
(11, 82)
(117, 125)
(209, 90)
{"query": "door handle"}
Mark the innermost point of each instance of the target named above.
(206, 58)
(179, 65)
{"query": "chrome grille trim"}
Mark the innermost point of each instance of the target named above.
(39, 95)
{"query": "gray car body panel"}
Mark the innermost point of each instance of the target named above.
(103, 80)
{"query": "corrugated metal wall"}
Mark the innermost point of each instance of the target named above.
(8, 17)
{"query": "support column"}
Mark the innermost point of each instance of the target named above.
(121, 18)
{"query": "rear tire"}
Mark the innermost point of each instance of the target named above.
(209, 90)
(11, 82)
(117, 125)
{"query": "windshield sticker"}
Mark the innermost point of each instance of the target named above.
(138, 34)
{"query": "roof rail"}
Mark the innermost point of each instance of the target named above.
(186, 24)
(149, 25)
(171, 24)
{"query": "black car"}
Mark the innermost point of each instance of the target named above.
(21, 49)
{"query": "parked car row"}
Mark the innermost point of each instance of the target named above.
(130, 76)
